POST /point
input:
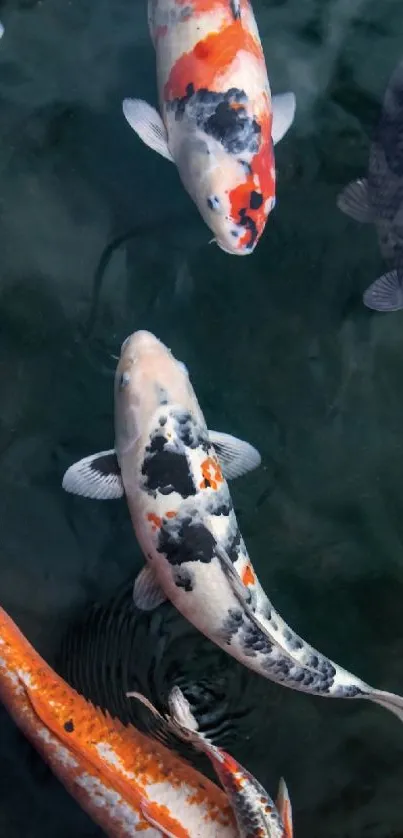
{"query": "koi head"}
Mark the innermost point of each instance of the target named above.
(234, 194)
(147, 378)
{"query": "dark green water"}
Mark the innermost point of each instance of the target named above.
(280, 349)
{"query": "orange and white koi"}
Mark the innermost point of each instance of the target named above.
(127, 782)
(218, 122)
(256, 814)
(173, 471)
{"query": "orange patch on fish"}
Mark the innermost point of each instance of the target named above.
(171, 514)
(204, 65)
(154, 520)
(263, 168)
(248, 576)
(212, 474)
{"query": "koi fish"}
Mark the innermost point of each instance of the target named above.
(256, 814)
(128, 783)
(174, 473)
(378, 199)
(218, 122)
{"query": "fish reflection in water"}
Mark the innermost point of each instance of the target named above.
(112, 649)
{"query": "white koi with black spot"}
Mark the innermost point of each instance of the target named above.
(173, 472)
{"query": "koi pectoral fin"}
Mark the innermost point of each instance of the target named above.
(162, 820)
(283, 107)
(148, 125)
(354, 201)
(386, 293)
(236, 456)
(147, 592)
(283, 804)
(97, 477)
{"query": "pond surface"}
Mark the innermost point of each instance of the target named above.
(98, 238)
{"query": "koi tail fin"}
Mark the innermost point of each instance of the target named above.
(389, 701)
(179, 726)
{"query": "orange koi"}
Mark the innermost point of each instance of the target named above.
(127, 782)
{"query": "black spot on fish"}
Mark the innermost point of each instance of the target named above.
(191, 541)
(235, 9)
(295, 643)
(162, 420)
(166, 470)
(222, 116)
(284, 667)
(234, 545)
(256, 200)
(213, 203)
(246, 166)
(233, 128)
(326, 668)
(69, 726)
(124, 380)
(232, 623)
(248, 222)
(183, 579)
(222, 509)
(299, 675)
(254, 638)
(189, 433)
(350, 692)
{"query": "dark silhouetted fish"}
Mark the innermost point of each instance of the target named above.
(378, 199)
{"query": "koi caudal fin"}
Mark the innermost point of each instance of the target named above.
(389, 701)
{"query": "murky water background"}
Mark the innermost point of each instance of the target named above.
(281, 352)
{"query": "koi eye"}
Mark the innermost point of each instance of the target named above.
(124, 380)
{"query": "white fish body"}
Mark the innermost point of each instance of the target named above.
(173, 472)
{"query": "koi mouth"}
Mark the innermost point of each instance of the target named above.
(246, 251)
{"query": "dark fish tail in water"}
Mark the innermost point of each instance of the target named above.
(111, 649)
(378, 199)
